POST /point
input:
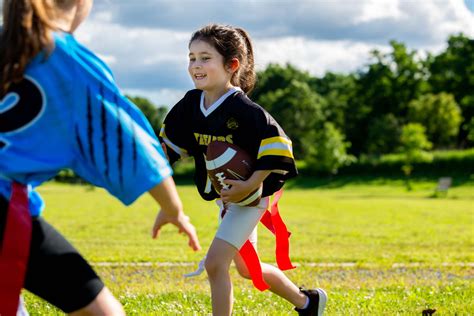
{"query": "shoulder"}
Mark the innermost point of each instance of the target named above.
(192, 95)
(84, 60)
(186, 106)
(189, 100)
(241, 99)
(250, 108)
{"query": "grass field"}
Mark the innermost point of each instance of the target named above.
(376, 248)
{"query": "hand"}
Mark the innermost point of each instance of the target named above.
(237, 192)
(182, 222)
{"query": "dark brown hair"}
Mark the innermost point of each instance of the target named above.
(26, 32)
(231, 42)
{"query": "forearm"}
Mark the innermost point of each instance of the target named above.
(257, 178)
(167, 197)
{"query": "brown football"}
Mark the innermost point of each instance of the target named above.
(228, 161)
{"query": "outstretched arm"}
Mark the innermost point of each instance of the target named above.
(172, 212)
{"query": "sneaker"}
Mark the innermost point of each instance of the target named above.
(317, 302)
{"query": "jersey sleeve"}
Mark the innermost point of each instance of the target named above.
(116, 146)
(275, 150)
(174, 132)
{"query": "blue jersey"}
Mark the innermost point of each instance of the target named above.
(67, 112)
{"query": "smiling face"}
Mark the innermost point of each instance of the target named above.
(206, 68)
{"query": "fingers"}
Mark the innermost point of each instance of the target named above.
(188, 228)
(232, 182)
(159, 222)
(194, 243)
(155, 232)
(193, 239)
(227, 192)
(184, 226)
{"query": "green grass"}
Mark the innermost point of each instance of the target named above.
(372, 223)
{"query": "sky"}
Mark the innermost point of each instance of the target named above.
(146, 42)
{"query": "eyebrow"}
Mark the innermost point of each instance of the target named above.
(200, 53)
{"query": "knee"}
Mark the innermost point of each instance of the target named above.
(214, 266)
(104, 304)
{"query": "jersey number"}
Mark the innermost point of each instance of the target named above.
(21, 106)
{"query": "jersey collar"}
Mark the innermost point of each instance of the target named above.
(216, 104)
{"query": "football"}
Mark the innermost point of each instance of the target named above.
(228, 161)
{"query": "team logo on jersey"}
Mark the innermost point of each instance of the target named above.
(204, 139)
(232, 124)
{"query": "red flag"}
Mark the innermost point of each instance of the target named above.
(273, 221)
(14, 250)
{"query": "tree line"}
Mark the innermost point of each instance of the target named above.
(400, 101)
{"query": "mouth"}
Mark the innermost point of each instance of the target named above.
(199, 76)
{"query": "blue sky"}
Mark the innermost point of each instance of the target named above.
(145, 42)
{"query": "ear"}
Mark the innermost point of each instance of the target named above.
(234, 64)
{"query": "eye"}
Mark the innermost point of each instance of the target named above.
(206, 58)
(191, 59)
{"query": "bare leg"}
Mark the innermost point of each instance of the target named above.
(105, 304)
(278, 281)
(217, 265)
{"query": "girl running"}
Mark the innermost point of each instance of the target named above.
(221, 65)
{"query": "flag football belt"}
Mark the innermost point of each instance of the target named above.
(14, 250)
(273, 221)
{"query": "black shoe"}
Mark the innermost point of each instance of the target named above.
(317, 302)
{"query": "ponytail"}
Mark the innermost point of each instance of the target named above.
(247, 76)
(26, 32)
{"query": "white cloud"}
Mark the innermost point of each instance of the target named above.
(143, 44)
(379, 9)
(316, 57)
(146, 43)
(140, 58)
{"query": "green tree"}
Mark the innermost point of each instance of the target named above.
(470, 130)
(467, 109)
(383, 134)
(276, 77)
(414, 145)
(327, 150)
(386, 86)
(155, 115)
(338, 90)
(452, 71)
(441, 116)
(298, 109)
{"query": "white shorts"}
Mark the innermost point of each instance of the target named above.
(240, 222)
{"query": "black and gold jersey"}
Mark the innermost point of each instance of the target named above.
(189, 127)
